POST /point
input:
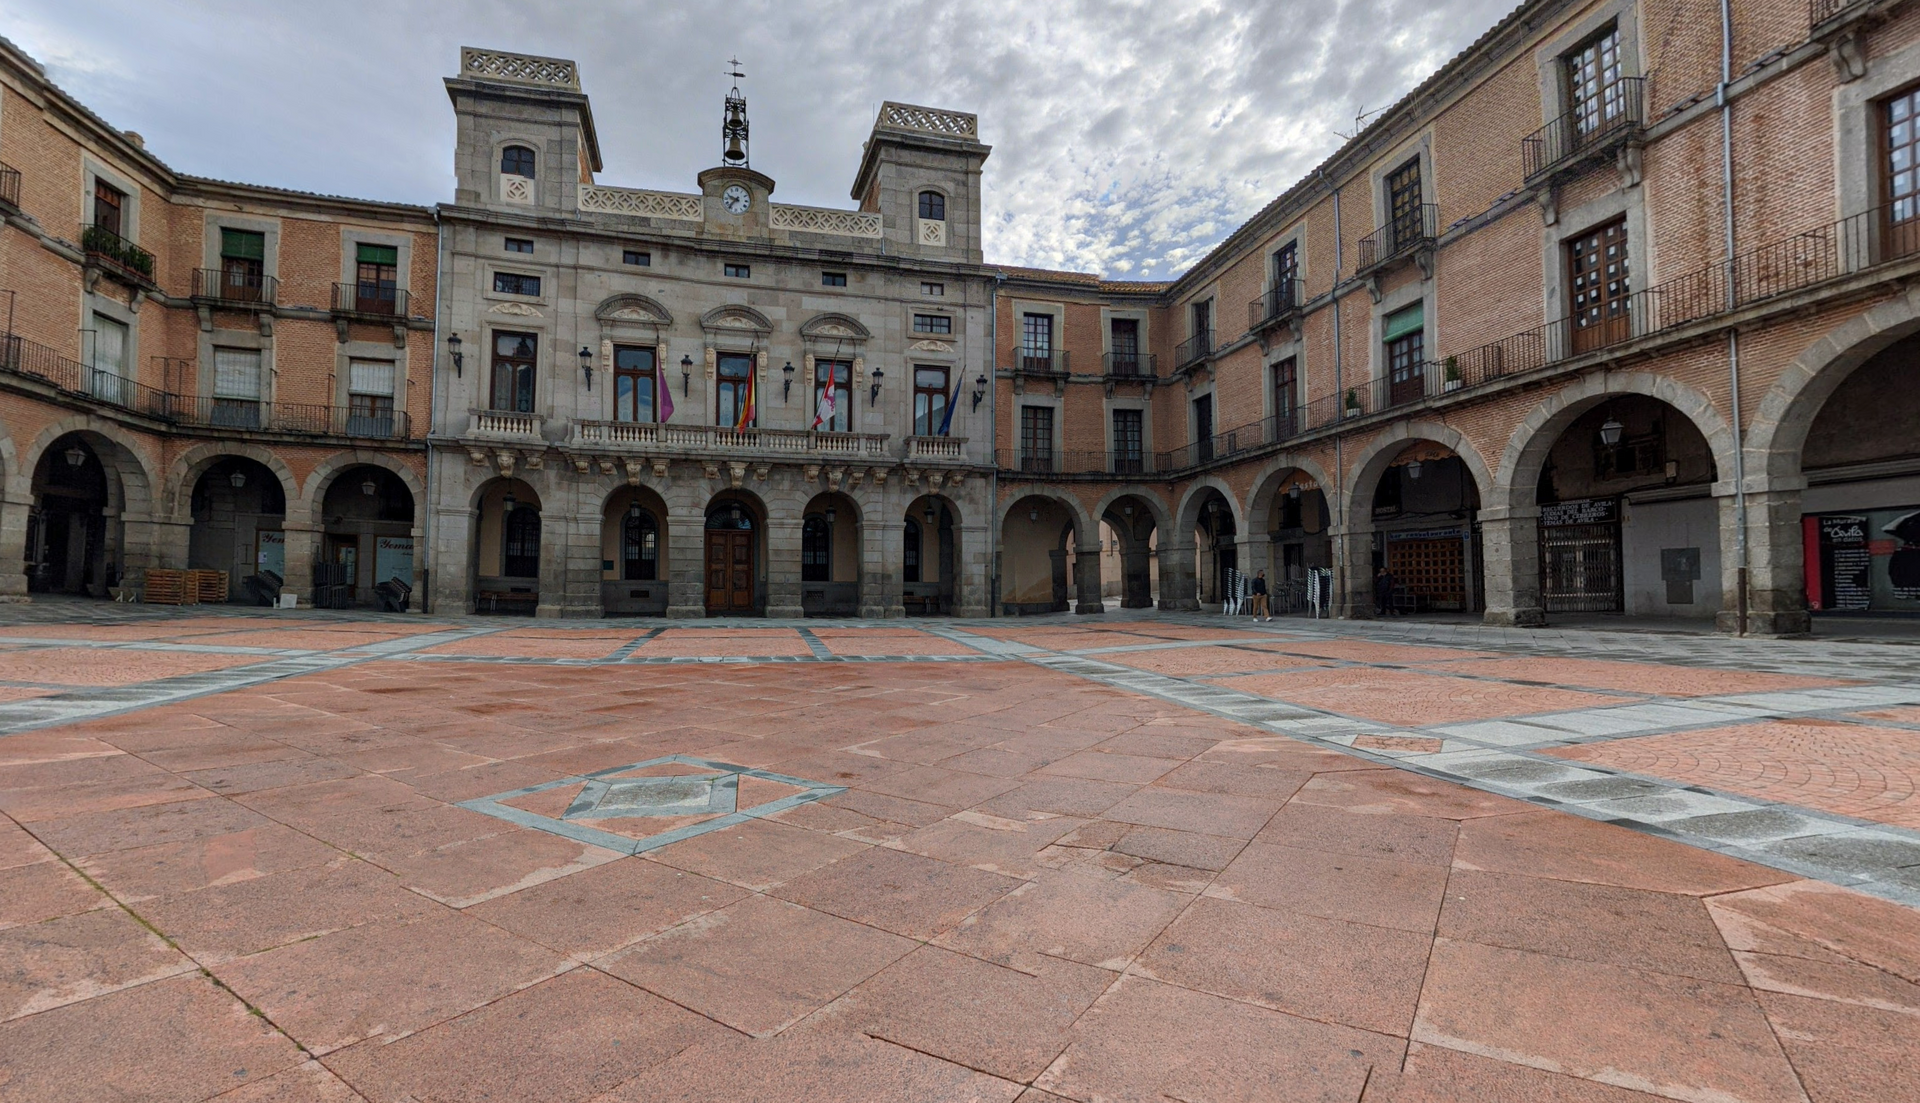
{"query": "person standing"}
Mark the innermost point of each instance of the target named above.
(1382, 591)
(1260, 610)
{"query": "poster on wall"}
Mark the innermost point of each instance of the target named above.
(271, 554)
(1865, 561)
(393, 558)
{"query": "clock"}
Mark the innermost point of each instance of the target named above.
(735, 199)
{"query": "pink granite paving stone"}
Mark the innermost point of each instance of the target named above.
(865, 643)
(85, 666)
(526, 645)
(748, 642)
(306, 639)
(1409, 699)
(1187, 662)
(1649, 678)
(1368, 651)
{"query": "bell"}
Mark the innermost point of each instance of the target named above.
(734, 152)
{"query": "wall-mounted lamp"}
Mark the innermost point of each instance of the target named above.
(508, 501)
(586, 365)
(929, 514)
(238, 479)
(633, 509)
(873, 392)
(786, 388)
(1610, 431)
(369, 487)
(1033, 514)
(979, 390)
(76, 456)
(453, 350)
(1413, 469)
(1127, 510)
(686, 375)
(831, 512)
(1294, 492)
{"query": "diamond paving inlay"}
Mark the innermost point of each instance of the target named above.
(679, 795)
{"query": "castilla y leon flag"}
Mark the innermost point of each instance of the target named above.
(662, 394)
(824, 415)
(746, 404)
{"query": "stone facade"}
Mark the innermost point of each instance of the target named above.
(612, 303)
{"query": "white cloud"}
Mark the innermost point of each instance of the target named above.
(1129, 136)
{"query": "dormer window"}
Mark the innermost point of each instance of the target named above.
(933, 206)
(516, 161)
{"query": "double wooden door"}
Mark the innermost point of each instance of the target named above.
(729, 571)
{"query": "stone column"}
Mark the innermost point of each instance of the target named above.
(1510, 547)
(1087, 564)
(302, 550)
(1776, 583)
(1256, 554)
(1177, 581)
(580, 580)
(879, 581)
(1352, 571)
(686, 561)
(456, 537)
(889, 538)
(783, 567)
(13, 547)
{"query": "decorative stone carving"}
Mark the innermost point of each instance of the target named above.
(760, 471)
(854, 476)
(713, 361)
(810, 473)
(859, 372)
(606, 465)
(736, 473)
(634, 467)
(515, 188)
(595, 199)
(477, 457)
(519, 68)
(928, 120)
(930, 346)
(1627, 165)
(518, 310)
(659, 472)
(878, 475)
(711, 469)
(581, 464)
(931, 232)
(934, 479)
(535, 460)
(1849, 57)
(504, 463)
(823, 220)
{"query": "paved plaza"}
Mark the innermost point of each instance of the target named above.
(257, 856)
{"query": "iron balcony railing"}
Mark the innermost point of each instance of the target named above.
(1030, 361)
(1193, 350)
(117, 255)
(1281, 302)
(235, 287)
(368, 299)
(1415, 230)
(9, 186)
(1822, 11)
(1615, 117)
(1129, 365)
(1119, 461)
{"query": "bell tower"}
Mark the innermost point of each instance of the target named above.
(735, 195)
(733, 128)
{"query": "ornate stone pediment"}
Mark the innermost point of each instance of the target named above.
(834, 327)
(735, 318)
(931, 346)
(518, 310)
(634, 310)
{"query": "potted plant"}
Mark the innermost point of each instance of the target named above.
(1453, 373)
(1353, 402)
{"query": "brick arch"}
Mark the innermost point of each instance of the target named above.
(1373, 460)
(1777, 432)
(1085, 528)
(1519, 474)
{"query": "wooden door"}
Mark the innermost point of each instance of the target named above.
(1597, 281)
(729, 571)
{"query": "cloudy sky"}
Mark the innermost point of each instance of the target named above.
(1129, 135)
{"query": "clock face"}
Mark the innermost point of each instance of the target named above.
(735, 199)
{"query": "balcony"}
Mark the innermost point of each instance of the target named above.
(376, 302)
(1128, 365)
(1118, 462)
(1405, 236)
(506, 425)
(1825, 11)
(118, 257)
(707, 440)
(9, 187)
(936, 449)
(1617, 118)
(1040, 361)
(1281, 303)
(305, 419)
(1193, 350)
(234, 288)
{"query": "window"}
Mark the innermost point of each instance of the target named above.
(1036, 343)
(634, 381)
(738, 271)
(910, 553)
(1203, 322)
(1404, 334)
(837, 374)
(516, 161)
(1127, 442)
(929, 400)
(932, 323)
(1902, 181)
(376, 278)
(514, 358)
(928, 287)
(1596, 99)
(236, 388)
(520, 551)
(1036, 438)
(513, 283)
(1286, 279)
(370, 389)
(519, 245)
(1124, 336)
(639, 546)
(1403, 205)
(1597, 287)
(109, 208)
(243, 261)
(816, 550)
(1203, 428)
(1286, 397)
(734, 395)
(833, 279)
(933, 205)
(637, 257)
(109, 358)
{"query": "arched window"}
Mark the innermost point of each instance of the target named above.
(816, 550)
(516, 161)
(639, 546)
(520, 548)
(910, 557)
(933, 205)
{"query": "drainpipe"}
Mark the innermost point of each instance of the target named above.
(1339, 393)
(993, 443)
(1742, 561)
(433, 388)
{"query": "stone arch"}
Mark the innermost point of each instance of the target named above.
(833, 326)
(1778, 429)
(632, 309)
(1518, 476)
(735, 318)
(1272, 474)
(1378, 453)
(136, 477)
(1162, 518)
(1188, 515)
(1084, 527)
(329, 469)
(194, 462)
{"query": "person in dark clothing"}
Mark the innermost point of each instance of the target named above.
(1382, 592)
(1260, 611)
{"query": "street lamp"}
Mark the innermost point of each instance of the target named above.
(1610, 431)
(686, 375)
(831, 514)
(586, 365)
(369, 487)
(786, 386)
(453, 350)
(76, 456)
(873, 393)
(979, 390)
(929, 514)
(238, 479)
(1413, 469)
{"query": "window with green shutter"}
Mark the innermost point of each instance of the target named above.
(378, 254)
(243, 263)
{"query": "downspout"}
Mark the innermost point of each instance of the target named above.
(1339, 394)
(433, 389)
(1742, 560)
(993, 442)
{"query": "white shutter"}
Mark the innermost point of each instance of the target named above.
(373, 377)
(109, 345)
(236, 373)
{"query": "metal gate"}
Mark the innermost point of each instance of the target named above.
(1580, 568)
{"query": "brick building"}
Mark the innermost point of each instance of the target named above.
(198, 373)
(1612, 313)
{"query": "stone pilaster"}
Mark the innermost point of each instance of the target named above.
(1510, 547)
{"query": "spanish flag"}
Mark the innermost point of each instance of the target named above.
(747, 404)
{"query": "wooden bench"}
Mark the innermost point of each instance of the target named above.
(507, 602)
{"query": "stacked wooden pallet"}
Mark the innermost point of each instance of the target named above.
(209, 586)
(169, 587)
